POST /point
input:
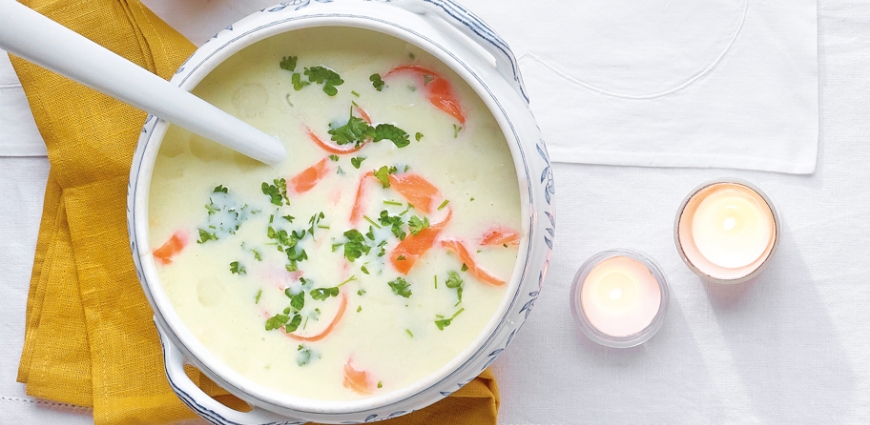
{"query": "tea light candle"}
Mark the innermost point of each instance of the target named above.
(619, 298)
(726, 231)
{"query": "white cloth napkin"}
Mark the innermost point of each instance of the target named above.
(671, 83)
(18, 133)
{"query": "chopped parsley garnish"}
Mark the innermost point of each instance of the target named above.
(400, 287)
(324, 293)
(380, 384)
(427, 79)
(455, 282)
(205, 236)
(277, 321)
(288, 63)
(294, 324)
(373, 224)
(355, 246)
(361, 292)
(325, 76)
(445, 322)
(277, 191)
(314, 221)
(357, 161)
(221, 189)
(418, 136)
(364, 270)
(408, 331)
(464, 267)
(398, 204)
(289, 218)
(211, 208)
(436, 281)
(392, 133)
(356, 130)
(257, 298)
(237, 268)
(333, 157)
(383, 175)
(377, 82)
(456, 129)
(395, 222)
(416, 225)
(284, 240)
(298, 84)
(359, 309)
(410, 55)
(297, 301)
(443, 204)
(353, 92)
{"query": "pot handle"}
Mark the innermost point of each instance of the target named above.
(475, 29)
(201, 403)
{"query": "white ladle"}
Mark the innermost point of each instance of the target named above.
(38, 39)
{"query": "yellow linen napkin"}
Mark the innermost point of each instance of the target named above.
(89, 337)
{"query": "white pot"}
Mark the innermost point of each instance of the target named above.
(468, 46)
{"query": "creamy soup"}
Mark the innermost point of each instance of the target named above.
(375, 254)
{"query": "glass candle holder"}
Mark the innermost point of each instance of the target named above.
(726, 231)
(619, 298)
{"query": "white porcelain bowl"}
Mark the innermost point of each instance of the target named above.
(468, 46)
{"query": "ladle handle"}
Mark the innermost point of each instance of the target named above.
(38, 39)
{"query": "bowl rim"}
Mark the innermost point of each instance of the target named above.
(209, 363)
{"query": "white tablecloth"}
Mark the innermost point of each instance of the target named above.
(791, 347)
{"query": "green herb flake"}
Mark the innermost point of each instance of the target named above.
(359, 309)
(443, 204)
(364, 270)
(294, 324)
(321, 294)
(418, 136)
(456, 130)
(398, 204)
(377, 82)
(333, 157)
(257, 255)
(380, 384)
(221, 189)
(427, 79)
(289, 218)
(464, 267)
(257, 298)
(356, 130)
(205, 236)
(372, 223)
(355, 246)
(383, 175)
(288, 63)
(400, 287)
(357, 161)
(408, 331)
(415, 224)
(395, 223)
(297, 301)
(436, 281)
(353, 92)
(361, 292)
(277, 321)
(277, 191)
(443, 323)
(298, 84)
(410, 55)
(211, 208)
(325, 76)
(237, 268)
(392, 133)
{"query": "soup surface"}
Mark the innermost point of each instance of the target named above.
(369, 259)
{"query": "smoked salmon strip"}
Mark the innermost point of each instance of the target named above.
(415, 246)
(479, 273)
(500, 236)
(438, 91)
(307, 179)
(357, 380)
(417, 190)
(171, 248)
(338, 150)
